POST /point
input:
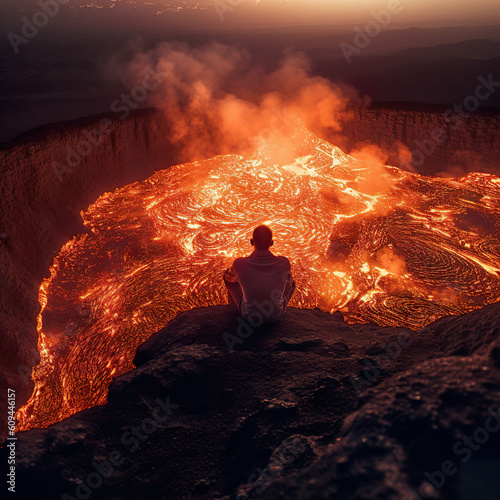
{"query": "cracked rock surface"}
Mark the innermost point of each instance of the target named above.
(308, 408)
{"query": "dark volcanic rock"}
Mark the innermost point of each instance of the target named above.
(411, 429)
(308, 408)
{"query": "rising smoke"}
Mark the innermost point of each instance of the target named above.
(217, 101)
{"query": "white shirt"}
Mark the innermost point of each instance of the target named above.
(263, 278)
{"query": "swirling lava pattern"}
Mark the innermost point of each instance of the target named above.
(380, 244)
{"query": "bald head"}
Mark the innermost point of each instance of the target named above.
(262, 238)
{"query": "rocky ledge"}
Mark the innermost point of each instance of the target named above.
(309, 408)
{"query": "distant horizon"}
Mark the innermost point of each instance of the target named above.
(227, 15)
(60, 70)
(336, 29)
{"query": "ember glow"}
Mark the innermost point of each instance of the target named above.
(380, 244)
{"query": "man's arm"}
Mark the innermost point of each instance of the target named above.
(230, 275)
(287, 274)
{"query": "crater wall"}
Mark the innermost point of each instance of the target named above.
(49, 175)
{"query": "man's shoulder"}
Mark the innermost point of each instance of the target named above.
(283, 259)
(249, 259)
(239, 261)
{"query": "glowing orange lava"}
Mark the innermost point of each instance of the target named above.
(380, 244)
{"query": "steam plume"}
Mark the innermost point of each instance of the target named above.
(218, 102)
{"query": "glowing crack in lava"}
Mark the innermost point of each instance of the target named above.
(380, 244)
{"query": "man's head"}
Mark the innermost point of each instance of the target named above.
(262, 238)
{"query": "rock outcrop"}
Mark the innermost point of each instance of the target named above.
(311, 407)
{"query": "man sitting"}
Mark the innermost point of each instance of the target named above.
(260, 284)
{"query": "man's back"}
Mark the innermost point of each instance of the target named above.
(261, 284)
(263, 277)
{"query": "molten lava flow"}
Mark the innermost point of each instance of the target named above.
(380, 244)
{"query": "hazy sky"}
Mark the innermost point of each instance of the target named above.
(226, 14)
